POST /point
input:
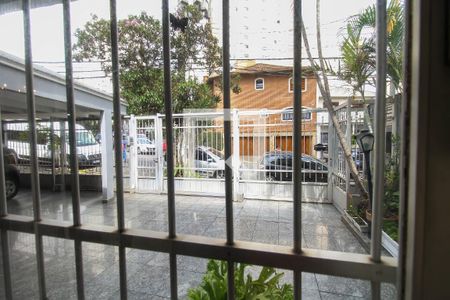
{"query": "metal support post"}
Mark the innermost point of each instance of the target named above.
(237, 196)
(297, 130)
(169, 139)
(133, 159)
(35, 183)
(380, 135)
(118, 146)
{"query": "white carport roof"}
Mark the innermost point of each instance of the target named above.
(50, 93)
(7, 6)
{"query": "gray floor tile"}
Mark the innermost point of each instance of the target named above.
(343, 286)
(148, 276)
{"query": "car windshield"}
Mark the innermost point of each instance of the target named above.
(216, 153)
(85, 138)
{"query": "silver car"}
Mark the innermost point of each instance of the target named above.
(209, 162)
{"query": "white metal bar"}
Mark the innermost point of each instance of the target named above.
(351, 265)
(236, 155)
(348, 133)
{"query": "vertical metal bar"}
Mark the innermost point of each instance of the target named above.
(348, 133)
(6, 263)
(117, 117)
(173, 276)
(169, 119)
(169, 149)
(52, 153)
(63, 156)
(118, 146)
(380, 125)
(297, 140)
(227, 121)
(71, 113)
(227, 138)
(4, 233)
(297, 126)
(33, 142)
(404, 152)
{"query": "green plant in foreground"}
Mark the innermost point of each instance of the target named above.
(266, 286)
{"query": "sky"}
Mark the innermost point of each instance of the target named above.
(48, 45)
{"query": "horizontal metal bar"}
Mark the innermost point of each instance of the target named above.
(352, 265)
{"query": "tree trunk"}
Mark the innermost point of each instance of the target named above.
(325, 91)
(366, 112)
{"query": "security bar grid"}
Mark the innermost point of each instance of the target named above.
(374, 268)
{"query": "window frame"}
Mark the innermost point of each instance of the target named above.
(263, 84)
(290, 111)
(290, 91)
(297, 259)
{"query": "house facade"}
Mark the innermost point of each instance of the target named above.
(266, 92)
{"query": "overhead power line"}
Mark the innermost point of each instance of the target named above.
(233, 58)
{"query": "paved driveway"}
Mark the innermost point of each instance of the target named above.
(148, 272)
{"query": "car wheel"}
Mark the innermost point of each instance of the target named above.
(270, 178)
(219, 174)
(11, 187)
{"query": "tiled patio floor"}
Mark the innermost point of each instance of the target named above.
(148, 272)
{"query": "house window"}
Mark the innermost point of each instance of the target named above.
(288, 114)
(291, 85)
(259, 84)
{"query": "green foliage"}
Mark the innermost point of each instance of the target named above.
(391, 229)
(266, 286)
(359, 47)
(392, 179)
(140, 59)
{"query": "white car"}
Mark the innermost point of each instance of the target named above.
(88, 149)
(209, 162)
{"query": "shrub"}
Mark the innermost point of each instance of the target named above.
(266, 286)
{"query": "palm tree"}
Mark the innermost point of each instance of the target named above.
(358, 65)
(322, 82)
(358, 48)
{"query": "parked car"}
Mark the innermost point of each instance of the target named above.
(209, 162)
(88, 149)
(278, 166)
(145, 146)
(12, 173)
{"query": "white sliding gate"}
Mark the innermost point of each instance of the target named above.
(262, 150)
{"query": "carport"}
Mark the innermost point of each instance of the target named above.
(50, 95)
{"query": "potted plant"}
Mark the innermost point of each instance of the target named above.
(353, 216)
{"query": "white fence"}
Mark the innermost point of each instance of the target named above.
(341, 183)
(261, 158)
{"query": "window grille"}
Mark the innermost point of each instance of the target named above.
(371, 267)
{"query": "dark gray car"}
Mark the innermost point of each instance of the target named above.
(278, 166)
